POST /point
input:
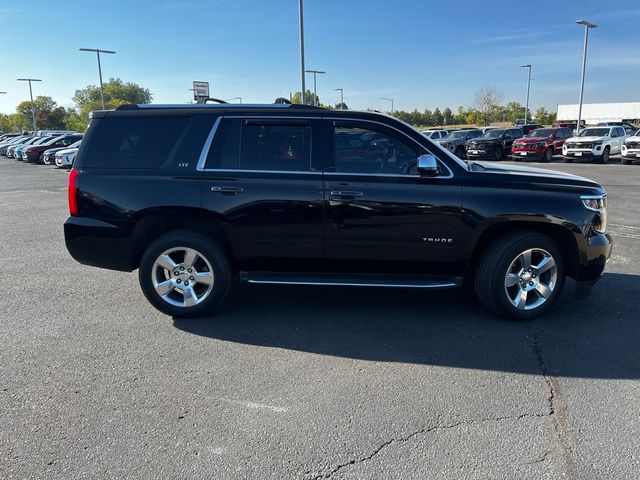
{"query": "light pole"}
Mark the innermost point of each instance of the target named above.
(389, 100)
(526, 108)
(315, 92)
(301, 22)
(234, 98)
(98, 52)
(33, 107)
(1, 129)
(587, 26)
(341, 97)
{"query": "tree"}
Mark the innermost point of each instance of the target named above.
(116, 93)
(49, 116)
(341, 106)
(544, 117)
(447, 116)
(486, 99)
(437, 117)
(310, 98)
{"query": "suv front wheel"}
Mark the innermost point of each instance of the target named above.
(184, 274)
(519, 276)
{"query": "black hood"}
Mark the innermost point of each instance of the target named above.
(486, 141)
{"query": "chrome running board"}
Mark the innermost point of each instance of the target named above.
(350, 280)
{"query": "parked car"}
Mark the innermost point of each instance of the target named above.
(572, 125)
(596, 143)
(631, 149)
(196, 197)
(435, 134)
(18, 152)
(34, 152)
(48, 157)
(13, 141)
(64, 158)
(493, 145)
(10, 153)
(7, 136)
(629, 128)
(486, 129)
(455, 141)
(542, 143)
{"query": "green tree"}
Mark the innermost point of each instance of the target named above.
(48, 114)
(427, 116)
(309, 97)
(447, 116)
(116, 93)
(437, 117)
(341, 106)
(73, 121)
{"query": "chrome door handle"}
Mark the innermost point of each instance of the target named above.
(226, 189)
(345, 194)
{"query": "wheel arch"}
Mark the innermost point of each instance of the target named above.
(565, 236)
(152, 223)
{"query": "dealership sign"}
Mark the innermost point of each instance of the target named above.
(200, 90)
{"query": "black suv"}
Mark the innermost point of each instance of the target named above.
(494, 144)
(197, 196)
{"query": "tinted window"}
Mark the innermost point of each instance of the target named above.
(225, 150)
(474, 134)
(138, 142)
(361, 150)
(275, 147)
(621, 132)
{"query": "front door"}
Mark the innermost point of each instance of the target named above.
(381, 217)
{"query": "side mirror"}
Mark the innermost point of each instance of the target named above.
(428, 165)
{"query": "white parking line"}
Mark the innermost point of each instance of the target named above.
(255, 406)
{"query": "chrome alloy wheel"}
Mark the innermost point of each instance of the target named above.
(531, 279)
(182, 277)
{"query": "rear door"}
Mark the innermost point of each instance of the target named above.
(261, 181)
(381, 217)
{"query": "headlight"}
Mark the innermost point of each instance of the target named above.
(597, 203)
(599, 142)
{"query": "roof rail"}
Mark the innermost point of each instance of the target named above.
(215, 105)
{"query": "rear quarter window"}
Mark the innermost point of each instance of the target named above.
(135, 142)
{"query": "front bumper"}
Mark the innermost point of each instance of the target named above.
(526, 153)
(592, 263)
(631, 154)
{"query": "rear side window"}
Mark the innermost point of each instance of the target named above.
(136, 143)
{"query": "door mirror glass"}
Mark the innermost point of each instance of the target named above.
(428, 165)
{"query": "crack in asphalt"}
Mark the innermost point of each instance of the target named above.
(406, 438)
(557, 412)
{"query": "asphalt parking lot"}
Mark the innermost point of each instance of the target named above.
(307, 383)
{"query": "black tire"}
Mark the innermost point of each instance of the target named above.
(209, 251)
(568, 160)
(548, 155)
(491, 274)
(460, 152)
(605, 156)
(498, 153)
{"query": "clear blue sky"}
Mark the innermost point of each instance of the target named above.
(422, 55)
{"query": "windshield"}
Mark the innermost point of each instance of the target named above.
(494, 133)
(454, 135)
(75, 145)
(41, 141)
(53, 140)
(541, 133)
(594, 132)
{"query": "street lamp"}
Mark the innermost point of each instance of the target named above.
(341, 90)
(301, 22)
(526, 108)
(1, 130)
(315, 93)
(388, 100)
(234, 98)
(33, 107)
(587, 26)
(98, 52)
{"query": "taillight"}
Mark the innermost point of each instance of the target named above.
(73, 193)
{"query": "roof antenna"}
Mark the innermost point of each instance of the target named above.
(282, 100)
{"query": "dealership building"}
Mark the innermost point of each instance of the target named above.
(593, 113)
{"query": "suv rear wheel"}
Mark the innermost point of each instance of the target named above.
(184, 274)
(520, 275)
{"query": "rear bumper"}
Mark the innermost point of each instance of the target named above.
(97, 243)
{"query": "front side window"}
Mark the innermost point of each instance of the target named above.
(276, 147)
(362, 150)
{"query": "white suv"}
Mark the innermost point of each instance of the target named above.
(435, 133)
(595, 142)
(631, 149)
